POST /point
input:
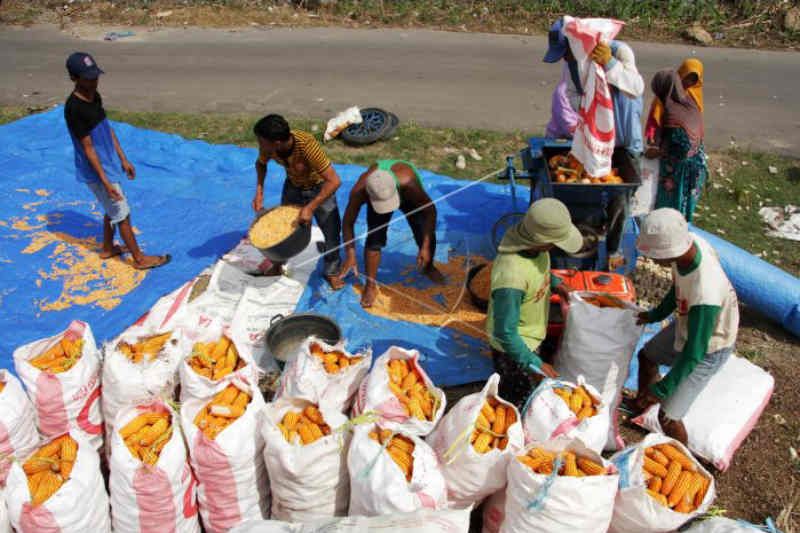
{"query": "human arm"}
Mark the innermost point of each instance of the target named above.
(94, 161)
(261, 174)
(358, 196)
(506, 305)
(330, 184)
(127, 167)
(702, 320)
(563, 119)
(662, 310)
(621, 71)
(417, 196)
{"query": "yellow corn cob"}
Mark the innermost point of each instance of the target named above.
(482, 443)
(403, 460)
(673, 473)
(474, 436)
(400, 393)
(292, 436)
(570, 465)
(482, 422)
(701, 494)
(330, 357)
(538, 452)
(499, 425)
(135, 425)
(35, 479)
(679, 489)
(575, 402)
(657, 456)
(408, 381)
(153, 432)
(564, 394)
(589, 467)
(220, 349)
(313, 414)
(344, 362)
(660, 498)
(403, 368)
(51, 448)
(415, 408)
(316, 431)
(290, 419)
(49, 485)
(654, 468)
(488, 412)
(587, 399)
(69, 449)
(684, 506)
(427, 406)
(655, 483)
(306, 435)
(694, 487)
(385, 434)
(585, 412)
(403, 444)
(676, 455)
(241, 401)
(34, 465)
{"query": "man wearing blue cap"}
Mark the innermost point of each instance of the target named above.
(100, 162)
(626, 84)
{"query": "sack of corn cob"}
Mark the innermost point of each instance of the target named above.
(62, 376)
(724, 412)
(574, 410)
(168, 311)
(474, 442)
(306, 456)
(494, 512)
(598, 342)
(5, 524)
(560, 485)
(151, 483)
(139, 366)
(214, 356)
(324, 372)
(720, 524)
(393, 472)
(661, 487)
(58, 487)
(400, 392)
(18, 435)
(226, 454)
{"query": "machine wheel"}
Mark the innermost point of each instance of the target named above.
(376, 122)
(502, 225)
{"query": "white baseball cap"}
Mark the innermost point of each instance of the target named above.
(382, 192)
(664, 234)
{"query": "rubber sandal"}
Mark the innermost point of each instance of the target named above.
(166, 259)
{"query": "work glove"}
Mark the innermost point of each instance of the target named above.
(601, 54)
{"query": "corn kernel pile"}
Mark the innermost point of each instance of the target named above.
(60, 357)
(304, 427)
(579, 401)
(673, 479)
(146, 348)
(275, 226)
(543, 462)
(399, 448)
(334, 361)
(215, 360)
(491, 426)
(228, 405)
(49, 467)
(146, 435)
(407, 384)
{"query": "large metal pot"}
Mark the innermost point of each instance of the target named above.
(478, 301)
(285, 334)
(289, 247)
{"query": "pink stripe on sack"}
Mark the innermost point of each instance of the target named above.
(75, 330)
(565, 427)
(50, 405)
(176, 304)
(725, 462)
(154, 499)
(37, 520)
(393, 411)
(190, 496)
(426, 501)
(6, 451)
(221, 503)
(83, 417)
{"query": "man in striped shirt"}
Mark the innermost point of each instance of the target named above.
(311, 182)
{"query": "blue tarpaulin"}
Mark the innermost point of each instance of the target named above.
(192, 200)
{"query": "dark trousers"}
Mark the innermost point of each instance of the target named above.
(377, 228)
(327, 218)
(516, 382)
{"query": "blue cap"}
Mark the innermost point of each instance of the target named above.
(557, 43)
(82, 65)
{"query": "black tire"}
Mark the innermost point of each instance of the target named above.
(393, 124)
(372, 129)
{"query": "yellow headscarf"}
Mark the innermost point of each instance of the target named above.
(689, 66)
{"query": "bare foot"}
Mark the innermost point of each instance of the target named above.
(369, 295)
(434, 275)
(152, 261)
(114, 252)
(335, 282)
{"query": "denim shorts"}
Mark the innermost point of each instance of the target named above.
(117, 211)
(661, 350)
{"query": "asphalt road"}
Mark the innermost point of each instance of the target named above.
(435, 78)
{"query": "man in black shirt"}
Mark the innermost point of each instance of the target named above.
(100, 162)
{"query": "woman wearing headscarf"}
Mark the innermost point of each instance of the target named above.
(691, 73)
(679, 141)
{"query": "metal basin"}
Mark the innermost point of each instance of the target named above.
(285, 334)
(289, 247)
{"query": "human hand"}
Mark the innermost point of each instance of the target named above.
(669, 184)
(563, 290)
(350, 265)
(127, 167)
(601, 54)
(548, 370)
(305, 215)
(114, 193)
(645, 399)
(258, 200)
(642, 318)
(652, 152)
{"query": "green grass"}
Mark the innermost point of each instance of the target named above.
(739, 184)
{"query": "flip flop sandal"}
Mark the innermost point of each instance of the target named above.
(166, 258)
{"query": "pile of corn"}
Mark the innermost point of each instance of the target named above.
(652, 282)
(579, 401)
(304, 427)
(543, 462)
(2, 385)
(333, 361)
(146, 435)
(481, 283)
(673, 479)
(275, 226)
(215, 360)
(60, 357)
(49, 467)
(491, 426)
(222, 411)
(399, 448)
(603, 301)
(407, 384)
(145, 348)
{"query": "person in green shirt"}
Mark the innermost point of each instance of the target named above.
(700, 340)
(516, 322)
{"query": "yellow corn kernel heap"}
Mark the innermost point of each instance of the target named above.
(215, 360)
(674, 480)
(399, 448)
(407, 384)
(304, 427)
(543, 462)
(222, 411)
(49, 467)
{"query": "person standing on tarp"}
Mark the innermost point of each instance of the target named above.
(311, 182)
(519, 301)
(386, 186)
(100, 162)
(702, 337)
(624, 80)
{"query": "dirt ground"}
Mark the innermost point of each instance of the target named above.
(763, 480)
